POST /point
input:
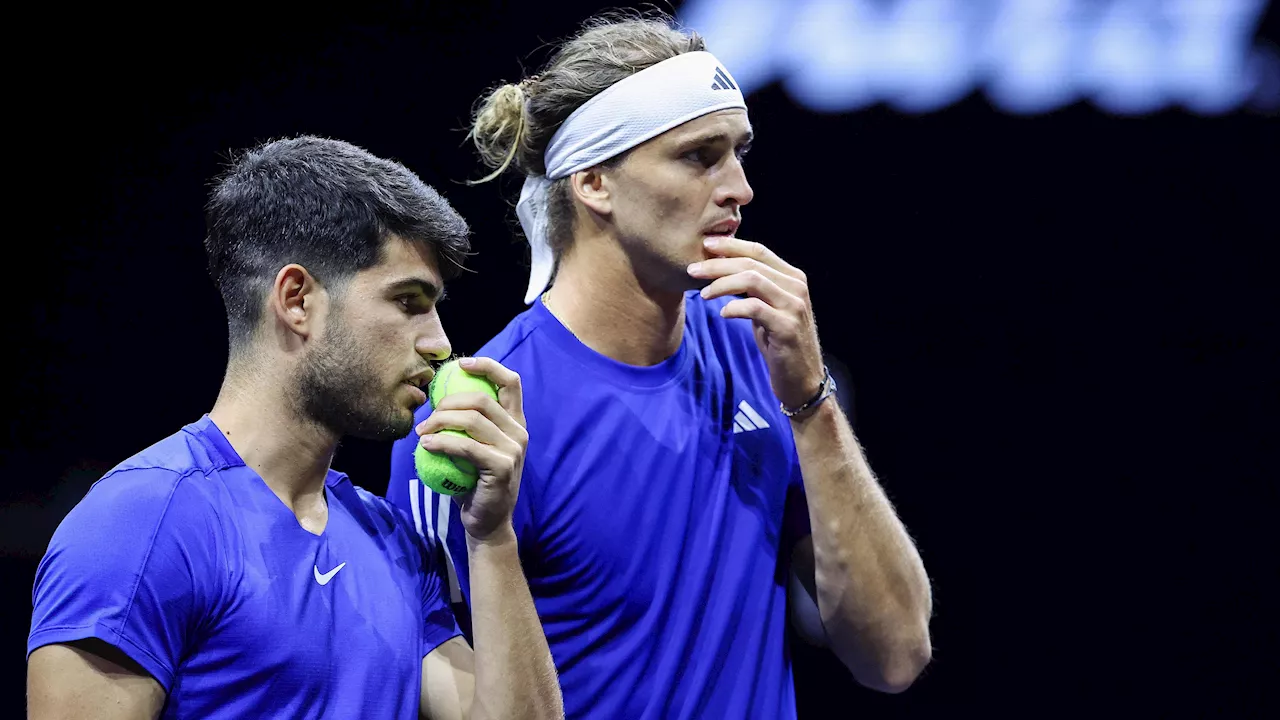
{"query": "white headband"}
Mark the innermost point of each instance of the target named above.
(627, 113)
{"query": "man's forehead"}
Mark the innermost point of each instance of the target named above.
(409, 263)
(729, 124)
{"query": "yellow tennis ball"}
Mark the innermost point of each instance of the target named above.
(446, 474)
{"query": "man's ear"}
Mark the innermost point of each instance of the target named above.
(590, 188)
(297, 300)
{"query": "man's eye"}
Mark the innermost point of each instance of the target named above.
(410, 303)
(702, 155)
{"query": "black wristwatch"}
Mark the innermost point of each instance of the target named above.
(826, 390)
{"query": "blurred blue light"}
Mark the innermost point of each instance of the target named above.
(1125, 57)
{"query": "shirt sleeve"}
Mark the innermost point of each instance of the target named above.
(124, 566)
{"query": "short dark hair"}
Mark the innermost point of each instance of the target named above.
(321, 203)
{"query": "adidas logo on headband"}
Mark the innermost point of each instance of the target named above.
(722, 82)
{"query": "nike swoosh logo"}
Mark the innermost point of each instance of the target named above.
(324, 579)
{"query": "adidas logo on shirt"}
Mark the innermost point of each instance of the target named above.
(721, 81)
(747, 419)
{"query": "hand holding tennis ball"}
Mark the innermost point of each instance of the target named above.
(473, 443)
(444, 473)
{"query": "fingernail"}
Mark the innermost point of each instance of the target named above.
(695, 268)
(712, 242)
(467, 362)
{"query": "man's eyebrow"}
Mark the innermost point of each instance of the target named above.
(720, 137)
(433, 291)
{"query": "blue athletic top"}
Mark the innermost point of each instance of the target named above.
(184, 559)
(656, 517)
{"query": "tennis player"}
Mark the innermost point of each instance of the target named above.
(227, 571)
(686, 456)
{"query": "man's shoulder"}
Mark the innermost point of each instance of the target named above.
(183, 451)
(154, 496)
(173, 466)
(169, 486)
(515, 337)
(143, 504)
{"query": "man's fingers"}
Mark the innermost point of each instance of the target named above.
(510, 393)
(737, 247)
(753, 284)
(469, 421)
(722, 267)
(776, 322)
(459, 407)
(486, 458)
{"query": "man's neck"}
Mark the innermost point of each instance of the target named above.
(599, 298)
(290, 453)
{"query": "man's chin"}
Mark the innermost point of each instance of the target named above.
(677, 277)
(401, 426)
(385, 434)
(391, 428)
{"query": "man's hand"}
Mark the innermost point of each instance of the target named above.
(514, 675)
(496, 446)
(777, 304)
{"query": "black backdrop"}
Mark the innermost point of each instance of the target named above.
(1060, 330)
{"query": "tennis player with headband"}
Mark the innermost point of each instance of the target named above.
(684, 456)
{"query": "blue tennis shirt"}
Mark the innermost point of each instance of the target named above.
(656, 517)
(183, 558)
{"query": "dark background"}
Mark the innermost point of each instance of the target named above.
(1060, 329)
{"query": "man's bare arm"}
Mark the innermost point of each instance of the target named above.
(870, 584)
(516, 675)
(872, 590)
(448, 681)
(518, 679)
(89, 678)
(513, 672)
